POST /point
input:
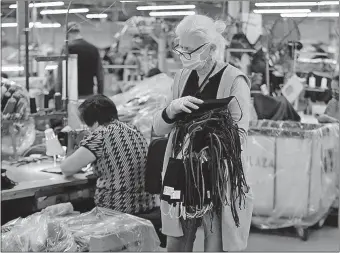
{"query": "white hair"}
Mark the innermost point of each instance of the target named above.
(207, 29)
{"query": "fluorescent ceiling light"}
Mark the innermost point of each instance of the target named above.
(12, 68)
(9, 24)
(51, 67)
(64, 11)
(100, 15)
(37, 5)
(273, 11)
(287, 4)
(329, 3)
(45, 25)
(312, 15)
(171, 13)
(35, 25)
(165, 7)
(307, 60)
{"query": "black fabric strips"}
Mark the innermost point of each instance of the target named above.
(207, 168)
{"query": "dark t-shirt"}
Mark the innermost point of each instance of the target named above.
(192, 89)
(88, 65)
(209, 91)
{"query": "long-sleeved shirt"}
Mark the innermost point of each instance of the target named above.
(89, 66)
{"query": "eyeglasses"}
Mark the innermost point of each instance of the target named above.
(186, 55)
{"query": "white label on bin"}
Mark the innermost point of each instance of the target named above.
(176, 195)
(168, 190)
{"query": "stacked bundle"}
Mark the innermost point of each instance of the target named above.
(14, 101)
(17, 129)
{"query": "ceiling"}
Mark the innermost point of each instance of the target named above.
(121, 11)
(125, 10)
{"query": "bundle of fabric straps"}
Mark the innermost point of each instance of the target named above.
(205, 171)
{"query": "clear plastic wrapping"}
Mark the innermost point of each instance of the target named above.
(138, 105)
(106, 230)
(59, 229)
(293, 172)
(40, 232)
(17, 129)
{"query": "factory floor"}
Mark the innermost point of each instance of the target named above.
(325, 239)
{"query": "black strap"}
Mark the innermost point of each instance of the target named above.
(205, 81)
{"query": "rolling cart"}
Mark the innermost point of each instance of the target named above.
(292, 169)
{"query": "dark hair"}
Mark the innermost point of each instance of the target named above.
(4, 75)
(336, 78)
(98, 108)
(73, 27)
(153, 72)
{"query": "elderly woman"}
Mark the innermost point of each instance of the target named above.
(204, 76)
(118, 153)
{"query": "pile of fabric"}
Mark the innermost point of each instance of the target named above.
(138, 105)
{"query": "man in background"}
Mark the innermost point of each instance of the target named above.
(332, 112)
(89, 63)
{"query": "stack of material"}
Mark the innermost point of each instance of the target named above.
(17, 129)
(59, 229)
(138, 105)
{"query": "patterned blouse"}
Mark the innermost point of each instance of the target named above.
(121, 152)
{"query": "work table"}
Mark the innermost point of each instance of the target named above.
(36, 189)
(31, 179)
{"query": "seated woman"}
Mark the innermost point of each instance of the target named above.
(271, 108)
(331, 114)
(118, 152)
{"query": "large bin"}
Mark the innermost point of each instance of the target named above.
(293, 171)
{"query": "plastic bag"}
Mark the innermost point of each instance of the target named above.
(59, 229)
(40, 232)
(138, 105)
(59, 209)
(106, 230)
(15, 119)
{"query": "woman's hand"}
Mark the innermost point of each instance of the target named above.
(184, 104)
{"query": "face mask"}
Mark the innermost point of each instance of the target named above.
(194, 63)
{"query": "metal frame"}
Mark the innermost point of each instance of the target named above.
(339, 136)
